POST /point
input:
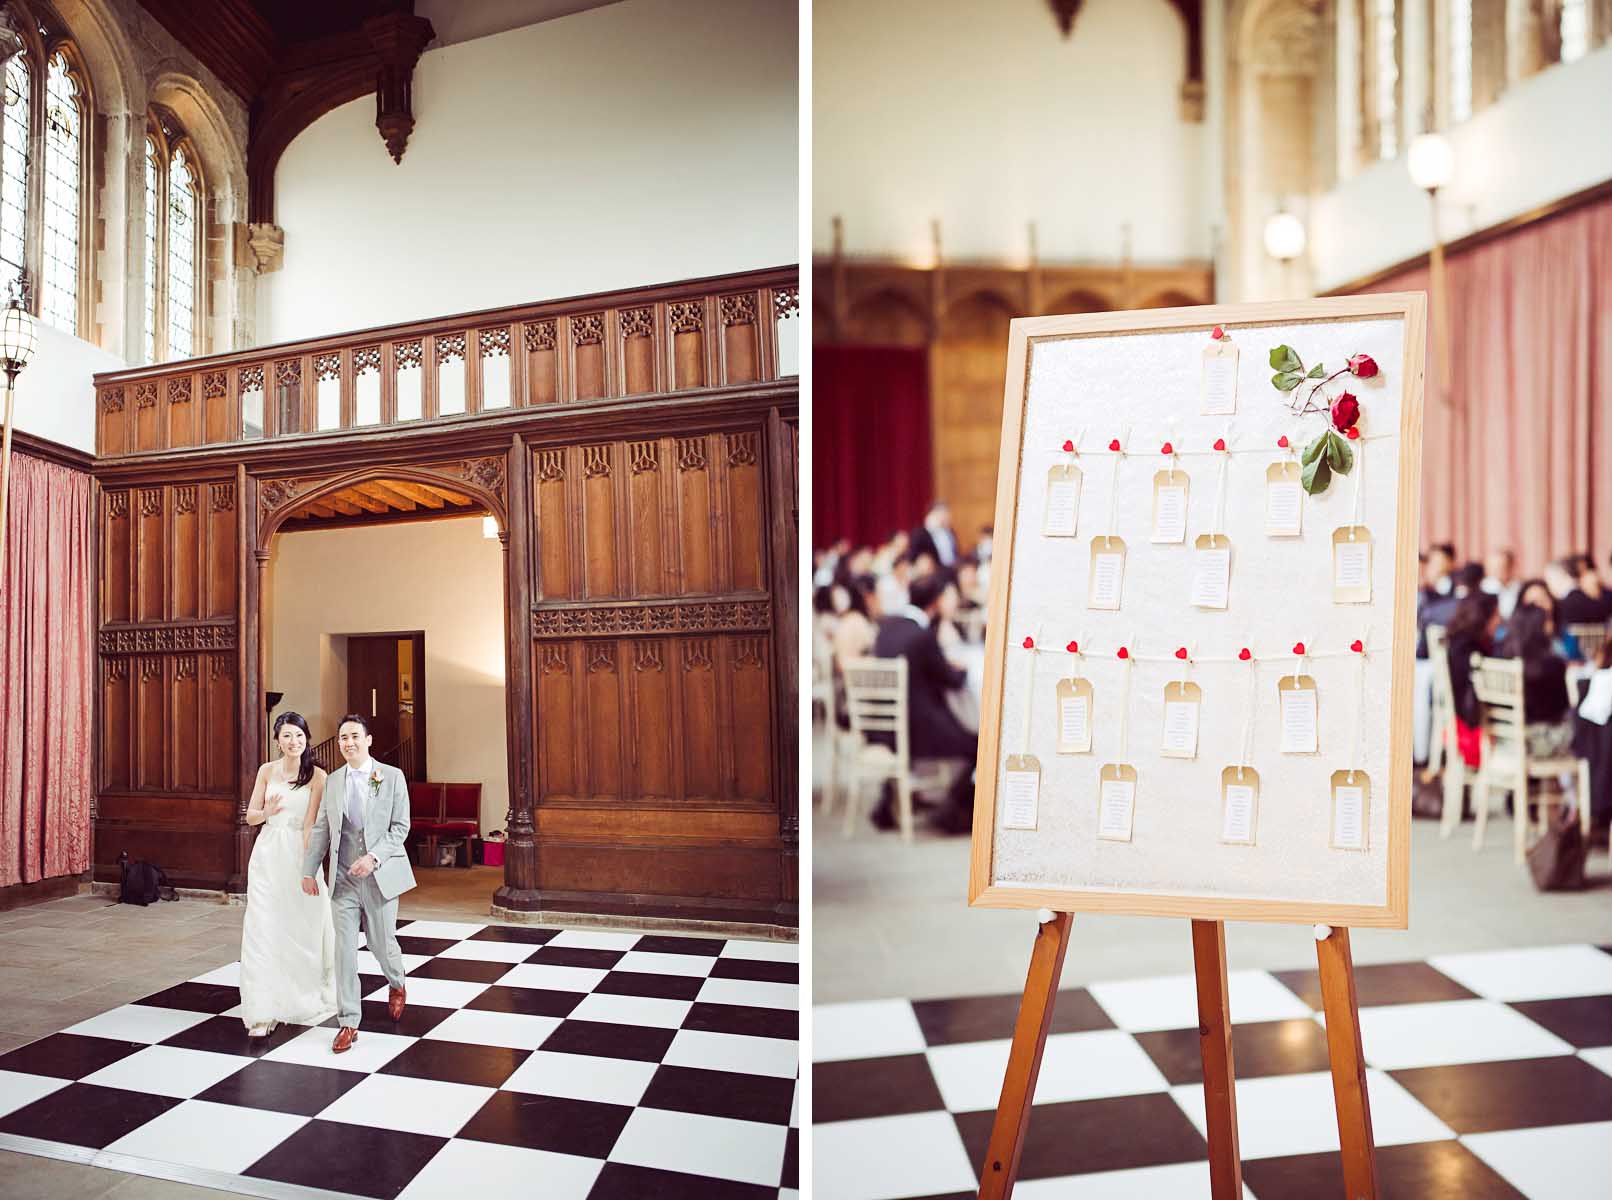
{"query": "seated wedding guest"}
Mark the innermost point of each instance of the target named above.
(1440, 564)
(970, 595)
(936, 536)
(893, 585)
(924, 563)
(1501, 580)
(1544, 682)
(933, 730)
(982, 548)
(1593, 742)
(1441, 609)
(1588, 602)
(858, 563)
(1470, 631)
(857, 626)
(884, 559)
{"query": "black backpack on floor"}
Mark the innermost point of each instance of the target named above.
(143, 882)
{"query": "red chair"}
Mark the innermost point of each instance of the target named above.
(443, 810)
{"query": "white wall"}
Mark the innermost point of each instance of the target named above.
(984, 116)
(1545, 138)
(440, 576)
(55, 395)
(641, 142)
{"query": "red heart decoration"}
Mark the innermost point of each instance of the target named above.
(1167, 449)
(1220, 443)
(1352, 434)
(1357, 646)
(1244, 654)
(1298, 647)
(1029, 643)
(1068, 446)
(1114, 445)
(1181, 652)
(1282, 441)
(1218, 333)
(1123, 652)
(1073, 647)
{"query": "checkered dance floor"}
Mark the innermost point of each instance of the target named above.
(531, 1062)
(1490, 1076)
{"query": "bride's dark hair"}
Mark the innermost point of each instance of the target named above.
(305, 767)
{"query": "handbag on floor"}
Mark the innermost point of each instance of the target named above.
(1556, 860)
(143, 882)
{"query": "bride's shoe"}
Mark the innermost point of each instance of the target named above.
(258, 1031)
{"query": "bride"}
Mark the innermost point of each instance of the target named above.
(287, 944)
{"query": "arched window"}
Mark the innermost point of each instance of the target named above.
(1379, 43)
(64, 191)
(175, 204)
(43, 178)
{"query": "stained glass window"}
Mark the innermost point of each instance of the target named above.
(1385, 94)
(1575, 29)
(184, 211)
(153, 171)
(64, 122)
(14, 170)
(1460, 60)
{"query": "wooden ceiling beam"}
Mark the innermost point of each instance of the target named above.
(415, 491)
(383, 492)
(367, 503)
(451, 497)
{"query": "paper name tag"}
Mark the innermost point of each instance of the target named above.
(1021, 792)
(1351, 565)
(1284, 500)
(1218, 392)
(1211, 570)
(1062, 513)
(1300, 723)
(1170, 507)
(1074, 716)
(1116, 802)
(1107, 572)
(1239, 805)
(1182, 703)
(1351, 805)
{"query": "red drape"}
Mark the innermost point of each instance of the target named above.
(1521, 456)
(46, 660)
(872, 471)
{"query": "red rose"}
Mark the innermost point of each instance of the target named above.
(1363, 366)
(1345, 412)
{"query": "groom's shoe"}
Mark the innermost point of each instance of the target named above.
(345, 1037)
(395, 999)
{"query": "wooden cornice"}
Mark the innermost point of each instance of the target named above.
(63, 456)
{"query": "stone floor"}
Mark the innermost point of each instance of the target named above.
(70, 959)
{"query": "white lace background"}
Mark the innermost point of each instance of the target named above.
(1280, 593)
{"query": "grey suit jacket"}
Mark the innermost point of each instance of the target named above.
(386, 826)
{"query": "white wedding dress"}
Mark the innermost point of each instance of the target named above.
(288, 945)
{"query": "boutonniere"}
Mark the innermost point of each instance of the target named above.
(375, 782)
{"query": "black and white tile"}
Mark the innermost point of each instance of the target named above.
(1490, 1077)
(559, 1063)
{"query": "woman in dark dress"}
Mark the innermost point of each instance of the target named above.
(1544, 682)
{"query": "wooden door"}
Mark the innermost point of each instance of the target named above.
(372, 687)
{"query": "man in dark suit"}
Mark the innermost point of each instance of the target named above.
(933, 729)
(935, 536)
(1440, 609)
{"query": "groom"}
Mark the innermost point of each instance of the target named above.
(361, 827)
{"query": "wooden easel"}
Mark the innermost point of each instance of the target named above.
(1001, 1167)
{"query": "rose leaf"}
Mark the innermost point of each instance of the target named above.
(1316, 475)
(1314, 450)
(1284, 359)
(1317, 371)
(1339, 456)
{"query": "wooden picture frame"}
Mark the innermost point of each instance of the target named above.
(1014, 474)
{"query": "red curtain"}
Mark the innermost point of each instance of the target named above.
(46, 660)
(1521, 455)
(871, 461)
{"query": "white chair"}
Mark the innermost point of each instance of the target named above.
(822, 676)
(876, 703)
(1506, 763)
(1443, 756)
(1590, 639)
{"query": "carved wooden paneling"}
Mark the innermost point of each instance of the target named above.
(181, 409)
(597, 536)
(686, 320)
(639, 347)
(117, 540)
(588, 368)
(148, 422)
(741, 338)
(150, 554)
(112, 420)
(542, 361)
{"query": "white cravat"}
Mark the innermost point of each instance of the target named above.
(355, 794)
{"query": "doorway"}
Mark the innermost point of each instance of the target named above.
(386, 682)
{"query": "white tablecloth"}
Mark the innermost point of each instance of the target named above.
(965, 701)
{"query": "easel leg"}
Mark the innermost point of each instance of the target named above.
(1001, 1165)
(1219, 1075)
(1348, 1065)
